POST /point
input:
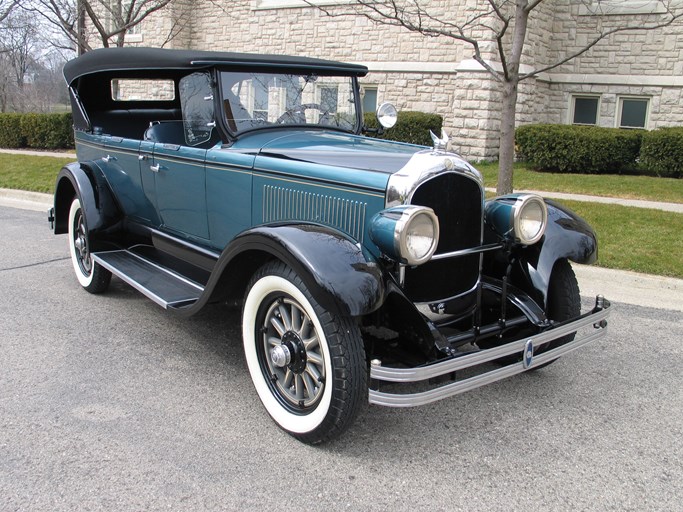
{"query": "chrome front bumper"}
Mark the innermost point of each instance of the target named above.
(596, 319)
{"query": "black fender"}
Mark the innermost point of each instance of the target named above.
(97, 200)
(566, 236)
(339, 275)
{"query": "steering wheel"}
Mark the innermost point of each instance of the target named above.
(296, 114)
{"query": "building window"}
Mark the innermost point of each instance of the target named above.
(584, 109)
(261, 91)
(369, 98)
(621, 7)
(632, 112)
(329, 99)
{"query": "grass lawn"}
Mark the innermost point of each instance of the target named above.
(34, 173)
(668, 190)
(638, 239)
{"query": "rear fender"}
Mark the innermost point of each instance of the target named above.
(90, 186)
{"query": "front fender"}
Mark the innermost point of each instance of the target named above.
(566, 236)
(92, 189)
(340, 277)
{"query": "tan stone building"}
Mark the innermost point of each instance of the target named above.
(631, 79)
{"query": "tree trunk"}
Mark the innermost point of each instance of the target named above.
(506, 156)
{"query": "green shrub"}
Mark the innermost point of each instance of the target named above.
(411, 127)
(578, 149)
(10, 131)
(661, 152)
(47, 131)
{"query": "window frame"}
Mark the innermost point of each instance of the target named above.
(572, 108)
(620, 7)
(620, 111)
(371, 87)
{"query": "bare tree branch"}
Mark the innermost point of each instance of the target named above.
(6, 8)
(504, 22)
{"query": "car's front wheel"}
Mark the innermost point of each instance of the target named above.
(307, 364)
(92, 276)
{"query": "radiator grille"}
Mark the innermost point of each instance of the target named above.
(457, 201)
(286, 204)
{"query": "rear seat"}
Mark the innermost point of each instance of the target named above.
(130, 124)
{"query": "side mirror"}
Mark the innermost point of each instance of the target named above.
(387, 115)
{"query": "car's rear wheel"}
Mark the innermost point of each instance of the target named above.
(92, 276)
(307, 364)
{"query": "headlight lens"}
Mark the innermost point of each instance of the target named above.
(521, 218)
(421, 234)
(530, 219)
(408, 234)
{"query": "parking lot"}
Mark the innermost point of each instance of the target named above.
(109, 403)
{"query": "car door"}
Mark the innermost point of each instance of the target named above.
(179, 164)
(180, 185)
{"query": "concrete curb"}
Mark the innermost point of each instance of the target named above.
(55, 154)
(25, 200)
(635, 203)
(630, 287)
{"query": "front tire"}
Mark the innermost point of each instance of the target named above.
(92, 276)
(307, 364)
(563, 303)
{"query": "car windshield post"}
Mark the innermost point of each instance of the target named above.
(265, 100)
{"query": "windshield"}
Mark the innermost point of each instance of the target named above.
(257, 100)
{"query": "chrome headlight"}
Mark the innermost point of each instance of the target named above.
(522, 218)
(408, 234)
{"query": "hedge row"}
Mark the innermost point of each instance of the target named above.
(411, 127)
(596, 150)
(662, 152)
(36, 131)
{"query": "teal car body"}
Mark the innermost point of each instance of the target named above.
(359, 263)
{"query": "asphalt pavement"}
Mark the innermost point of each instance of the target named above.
(109, 403)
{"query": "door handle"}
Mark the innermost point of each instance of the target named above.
(154, 168)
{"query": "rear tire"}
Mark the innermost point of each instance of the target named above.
(92, 276)
(307, 364)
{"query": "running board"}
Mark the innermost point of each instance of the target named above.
(165, 287)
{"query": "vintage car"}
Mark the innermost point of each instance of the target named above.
(367, 270)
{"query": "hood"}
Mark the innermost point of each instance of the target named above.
(331, 149)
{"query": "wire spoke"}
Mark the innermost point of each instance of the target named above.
(315, 358)
(311, 342)
(313, 372)
(309, 384)
(284, 315)
(277, 325)
(298, 387)
(297, 314)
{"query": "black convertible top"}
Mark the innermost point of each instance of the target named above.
(140, 58)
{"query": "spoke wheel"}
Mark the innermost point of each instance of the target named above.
(307, 364)
(91, 275)
(291, 355)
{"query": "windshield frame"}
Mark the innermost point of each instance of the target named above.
(235, 133)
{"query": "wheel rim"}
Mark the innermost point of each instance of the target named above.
(290, 355)
(80, 242)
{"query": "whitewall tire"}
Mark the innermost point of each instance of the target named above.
(307, 365)
(93, 277)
